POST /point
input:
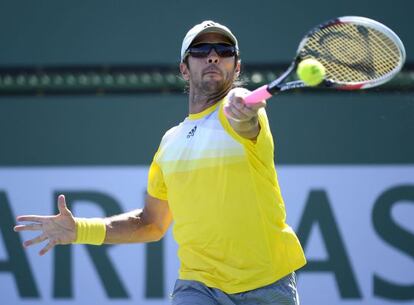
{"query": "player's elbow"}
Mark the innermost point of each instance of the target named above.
(157, 232)
(157, 237)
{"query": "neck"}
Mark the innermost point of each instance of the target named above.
(199, 102)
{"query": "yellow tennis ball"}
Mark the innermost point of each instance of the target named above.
(311, 72)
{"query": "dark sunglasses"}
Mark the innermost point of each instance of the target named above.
(203, 50)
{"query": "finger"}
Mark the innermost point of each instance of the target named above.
(29, 227)
(34, 241)
(228, 113)
(242, 113)
(248, 112)
(236, 97)
(63, 209)
(238, 103)
(235, 114)
(33, 218)
(49, 246)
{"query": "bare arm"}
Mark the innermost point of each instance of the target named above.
(146, 225)
(247, 129)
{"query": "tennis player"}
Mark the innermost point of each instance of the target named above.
(214, 176)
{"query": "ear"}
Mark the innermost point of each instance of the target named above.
(185, 73)
(238, 67)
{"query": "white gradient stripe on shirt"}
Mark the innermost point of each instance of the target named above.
(183, 150)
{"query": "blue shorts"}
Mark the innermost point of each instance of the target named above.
(281, 292)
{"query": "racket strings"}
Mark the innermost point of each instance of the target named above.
(352, 53)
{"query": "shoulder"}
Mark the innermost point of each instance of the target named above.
(170, 133)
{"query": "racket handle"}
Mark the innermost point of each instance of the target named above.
(257, 95)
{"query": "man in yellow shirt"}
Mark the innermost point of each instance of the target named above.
(214, 176)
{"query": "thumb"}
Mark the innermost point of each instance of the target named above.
(63, 209)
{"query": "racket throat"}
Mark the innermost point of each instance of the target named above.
(278, 85)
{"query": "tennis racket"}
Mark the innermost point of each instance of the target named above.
(357, 53)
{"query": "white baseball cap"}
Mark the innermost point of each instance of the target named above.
(207, 26)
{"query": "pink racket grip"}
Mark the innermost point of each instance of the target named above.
(257, 95)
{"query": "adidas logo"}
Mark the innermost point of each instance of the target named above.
(192, 132)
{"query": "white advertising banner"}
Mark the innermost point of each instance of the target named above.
(355, 223)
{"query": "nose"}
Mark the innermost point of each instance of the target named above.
(213, 57)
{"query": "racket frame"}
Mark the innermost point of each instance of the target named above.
(278, 84)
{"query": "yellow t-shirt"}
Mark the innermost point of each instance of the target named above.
(223, 193)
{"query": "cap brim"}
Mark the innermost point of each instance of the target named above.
(217, 30)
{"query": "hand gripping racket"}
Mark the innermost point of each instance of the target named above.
(356, 52)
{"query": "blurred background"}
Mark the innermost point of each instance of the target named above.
(88, 88)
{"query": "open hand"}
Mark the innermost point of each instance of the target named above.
(58, 229)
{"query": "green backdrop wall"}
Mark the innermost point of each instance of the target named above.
(146, 32)
(323, 129)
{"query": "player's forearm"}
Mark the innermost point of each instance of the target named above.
(131, 227)
(247, 129)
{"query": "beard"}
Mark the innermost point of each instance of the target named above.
(216, 88)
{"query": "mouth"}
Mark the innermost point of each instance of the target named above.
(212, 72)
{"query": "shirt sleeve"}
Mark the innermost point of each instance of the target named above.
(156, 185)
(263, 138)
